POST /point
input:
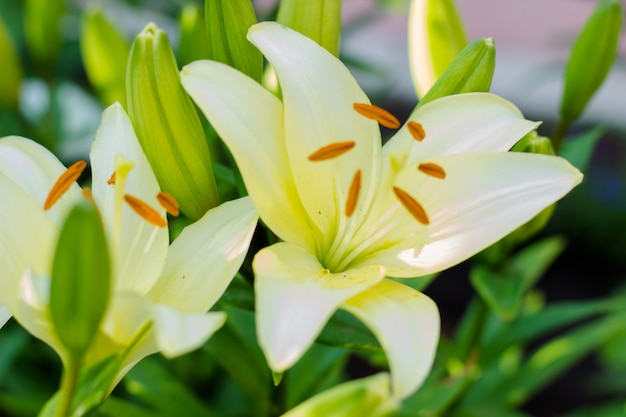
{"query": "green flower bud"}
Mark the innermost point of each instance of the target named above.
(592, 56)
(436, 37)
(11, 70)
(193, 43)
(365, 397)
(533, 143)
(227, 23)
(42, 26)
(81, 278)
(471, 71)
(317, 19)
(167, 124)
(105, 52)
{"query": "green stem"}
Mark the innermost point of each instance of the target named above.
(559, 134)
(69, 382)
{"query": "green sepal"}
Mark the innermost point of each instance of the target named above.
(167, 124)
(105, 52)
(592, 55)
(42, 27)
(12, 73)
(193, 44)
(578, 150)
(94, 386)
(227, 23)
(319, 20)
(471, 71)
(81, 279)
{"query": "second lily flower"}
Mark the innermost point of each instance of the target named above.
(351, 212)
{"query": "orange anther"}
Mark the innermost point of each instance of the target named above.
(353, 193)
(411, 205)
(144, 210)
(416, 130)
(432, 169)
(169, 203)
(64, 182)
(331, 151)
(111, 180)
(382, 116)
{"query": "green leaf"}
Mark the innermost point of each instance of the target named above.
(592, 56)
(502, 292)
(531, 263)
(345, 331)
(154, 385)
(93, 387)
(471, 71)
(319, 20)
(117, 407)
(12, 73)
(227, 23)
(167, 124)
(81, 278)
(579, 149)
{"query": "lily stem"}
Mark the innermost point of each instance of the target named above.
(559, 134)
(69, 382)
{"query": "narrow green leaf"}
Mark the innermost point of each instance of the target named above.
(80, 279)
(578, 150)
(345, 331)
(592, 56)
(319, 20)
(227, 23)
(12, 73)
(502, 292)
(105, 52)
(531, 263)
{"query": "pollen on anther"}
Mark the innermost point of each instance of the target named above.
(353, 193)
(87, 193)
(169, 203)
(331, 151)
(144, 210)
(411, 205)
(416, 130)
(111, 180)
(64, 182)
(432, 169)
(379, 114)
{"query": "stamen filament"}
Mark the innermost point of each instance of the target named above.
(432, 169)
(169, 203)
(416, 130)
(64, 183)
(144, 210)
(353, 194)
(411, 205)
(331, 151)
(381, 115)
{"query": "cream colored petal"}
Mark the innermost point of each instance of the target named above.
(406, 322)
(35, 169)
(128, 313)
(138, 248)
(249, 119)
(484, 197)
(205, 257)
(5, 315)
(295, 297)
(473, 122)
(319, 94)
(27, 238)
(178, 333)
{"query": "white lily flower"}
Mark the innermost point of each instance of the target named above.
(351, 212)
(160, 293)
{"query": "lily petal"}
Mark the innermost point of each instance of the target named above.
(178, 333)
(406, 322)
(319, 94)
(295, 297)
(219, 242)
(138, 248)
(35, 169)
(484, 197)
(5, 315)
(249, 119)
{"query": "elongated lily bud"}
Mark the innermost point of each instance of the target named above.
(193, 43)
(11, 70)
(105, 52)
(227, 23)
(317, 19)
(436, 37)
(81, 278)
(591, 58)
(471, 71)
(366, 397)
(167, 124)
(42, 26)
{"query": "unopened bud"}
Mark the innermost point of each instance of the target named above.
(11, 70)
(193, 43)
(319, 20)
